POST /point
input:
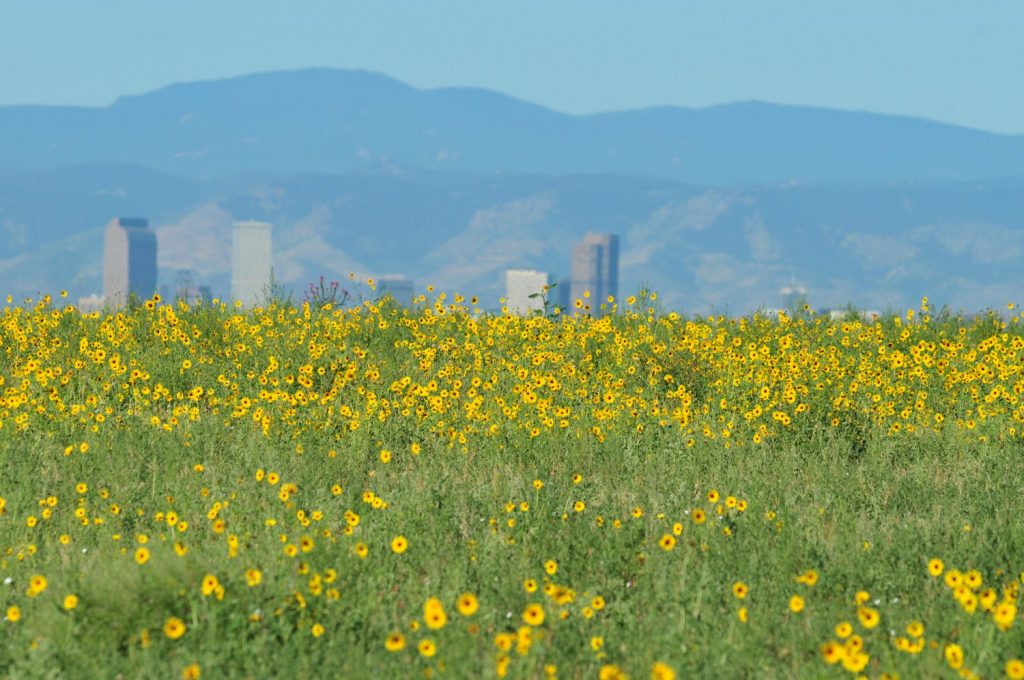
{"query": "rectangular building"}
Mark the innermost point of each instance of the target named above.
(585, 281)
(129, 261)
(594, 273)
(251, 262)
(561, 299)
(520, 284)
(609, 274)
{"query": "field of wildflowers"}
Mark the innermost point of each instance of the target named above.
(371, 491)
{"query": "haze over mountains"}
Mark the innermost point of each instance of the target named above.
(717, 207)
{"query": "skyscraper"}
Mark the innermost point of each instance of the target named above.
(561, 298)
(129, 261)
(595, 269)
(609, 275)
(520, 284)
(251, 258)
(585, 272)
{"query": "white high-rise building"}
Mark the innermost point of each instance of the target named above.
(129, 261)
(251, 261)
(398, 287)
(520, 284)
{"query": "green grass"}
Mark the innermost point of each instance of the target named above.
(867, 518)
(882, 446)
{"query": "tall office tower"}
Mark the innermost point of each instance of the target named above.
(584, 286)
(609, 244)
(129, 261)
(520, 284)
(595, 269)
(561, 297)
(397, 286)
(251, 258)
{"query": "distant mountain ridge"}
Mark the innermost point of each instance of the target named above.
(338, 121)
(716, 208)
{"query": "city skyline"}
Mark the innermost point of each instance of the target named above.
(713, 246)
(130, 250)
(130, 270)
(130, 257)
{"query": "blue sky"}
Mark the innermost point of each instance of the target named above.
(952, 61)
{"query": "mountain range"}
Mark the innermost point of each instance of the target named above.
(717, 207)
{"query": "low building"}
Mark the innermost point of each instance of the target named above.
(525, 290)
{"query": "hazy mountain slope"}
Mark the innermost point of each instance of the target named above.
(37, 207)
(716, 207)
(330, 121)
(703, 248)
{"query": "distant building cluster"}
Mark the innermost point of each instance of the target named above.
(795, 302)
(186, 289)
(130, 268)
(592, 287)
(592, 282)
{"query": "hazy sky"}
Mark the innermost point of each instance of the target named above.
(948, 60)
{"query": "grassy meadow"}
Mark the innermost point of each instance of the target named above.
(206, 491)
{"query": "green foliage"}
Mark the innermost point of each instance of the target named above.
(863, 506)
(869, 522)
(275, 293)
